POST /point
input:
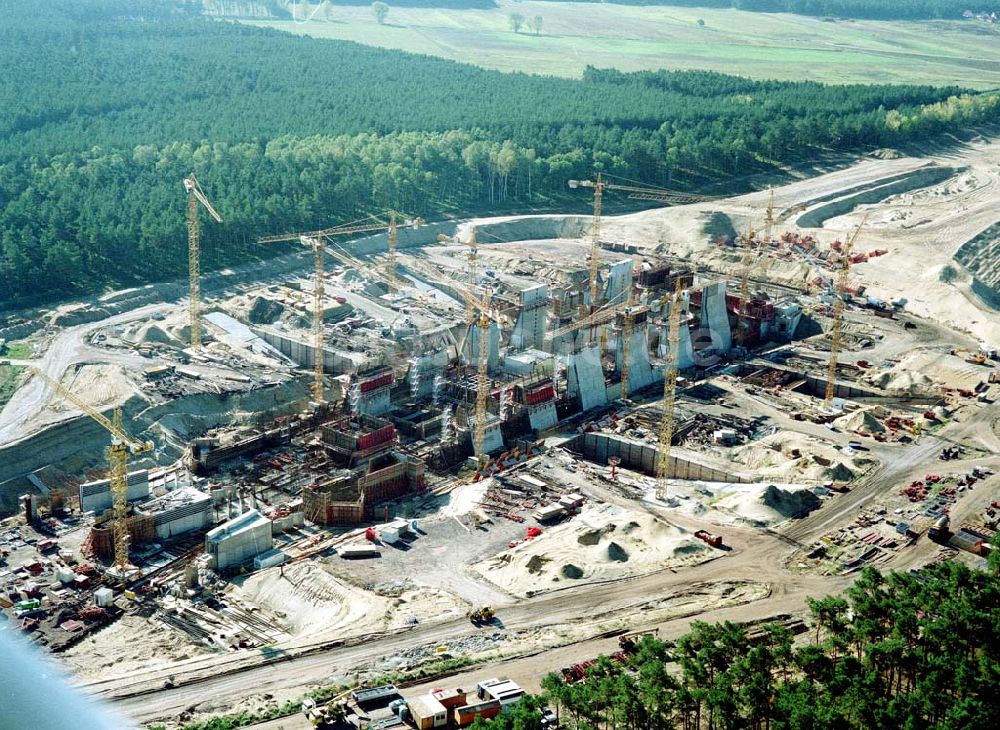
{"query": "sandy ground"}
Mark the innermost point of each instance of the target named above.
(761, 504)
(926, 368)
(311, 602)
(603, 543)
(922, 230)
(128, 644)
(787, 456)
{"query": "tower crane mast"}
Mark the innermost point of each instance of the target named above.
(314, 241)
(666, 435)
(636, 192)
(118, 452)
(746, 268)
(836, 329)
(480, 313)
(195, 198)
(628, 327)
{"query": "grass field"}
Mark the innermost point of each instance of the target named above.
(17, 350)
(9, 376)
(633, 38)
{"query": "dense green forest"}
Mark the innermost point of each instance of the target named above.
(903, 650)
(868, 9)
(105, 106)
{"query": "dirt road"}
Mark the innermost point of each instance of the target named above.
(67, 348)
(755, 556)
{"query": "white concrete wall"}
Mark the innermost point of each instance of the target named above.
(529, 330)
(640, 372)
(585, 378)
(138, 488)
(542, 417)
(470, 353)
(243, 546)
(715, 316)
(619, 281)
(197, 521)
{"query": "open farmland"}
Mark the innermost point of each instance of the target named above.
(629, 38)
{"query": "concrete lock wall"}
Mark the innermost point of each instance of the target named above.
(471, 353)
(714, 314)
(492, 436)
(424, 369)
(96, 496)
(302, 352)
(599, 447)
(585, 378)
(185, 523)
(374, 403)
(619, 280)
(542, 417)
(529, 330)
(640, 372)
(241, 546)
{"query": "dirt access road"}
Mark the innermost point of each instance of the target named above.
(19, 417)
(754, 555)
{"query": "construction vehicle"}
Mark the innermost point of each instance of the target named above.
(484, 615)
(836, 330)
(121, 448)
(196, 197)
(708, 537)
(599, 185)
(314, 240)
(627, 642)
(330, 714)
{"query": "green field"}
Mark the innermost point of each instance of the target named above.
(759, 45)
(9, 377)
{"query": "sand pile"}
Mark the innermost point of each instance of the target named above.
(790, 457)
(466, 498)
(264, 311)
(99, 386)
(154, 334)
(759, 505)
(604, 543)
(308, 600)
(790, 502)
(862, 421)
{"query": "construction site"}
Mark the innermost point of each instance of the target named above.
(317, 470)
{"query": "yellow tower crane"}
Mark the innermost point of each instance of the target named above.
(486, 315)
(599, 185)
(837, 327)
(483, 313)
(628, 326)
(746, 266)
(751, 261)
(669, 392)
(472, 257)
(600, 316)
(314, 241)
(122, 446)
(196, 196)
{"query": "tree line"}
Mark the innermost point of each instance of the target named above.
(106, 105)
(902, 650)
(868, 9)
